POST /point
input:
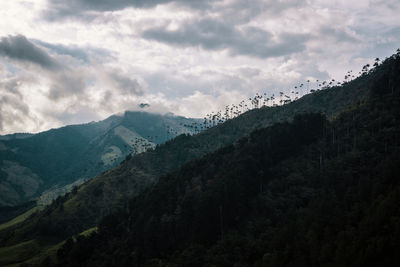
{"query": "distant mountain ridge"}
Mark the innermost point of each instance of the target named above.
(33, 163)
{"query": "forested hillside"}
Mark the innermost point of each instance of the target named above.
(257, 186)
(83, 208)
(312, 192)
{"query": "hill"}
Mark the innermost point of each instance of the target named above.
(312, 192)
(42, 164)
(85, 206)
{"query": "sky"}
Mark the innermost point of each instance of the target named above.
(67, 62)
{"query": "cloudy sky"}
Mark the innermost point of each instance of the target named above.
(65, 62)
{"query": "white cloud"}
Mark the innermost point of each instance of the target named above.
(94, 62)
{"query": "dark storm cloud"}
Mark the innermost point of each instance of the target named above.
(211, 34)
(60, 9)
(19, 48)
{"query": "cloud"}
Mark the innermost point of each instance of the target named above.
(66, 83)
(92, 58)
(63, 80)
(76, 83)
(199, 104)
(63, 70)
(212, 34)
(87, 9)
(85, 54)
(239, 11)
(59, 49)
(125, 84)
(14, 112)
(45, 85)
(339, 35)
(19, 48)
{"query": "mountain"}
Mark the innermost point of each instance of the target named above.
(313, 192)
(50, 163)
(139, 177)
(15, 136)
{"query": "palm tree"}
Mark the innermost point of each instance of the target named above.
(376, 64)
(281, 95)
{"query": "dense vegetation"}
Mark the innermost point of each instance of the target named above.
(83, 208)
(31, 164)
(311, 192)
(7, 213)
(241, 198)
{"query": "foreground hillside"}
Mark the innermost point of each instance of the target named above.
(313, 192)
(85, 206)
(82, 208)
(45, 162)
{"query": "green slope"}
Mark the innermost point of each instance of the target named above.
(20, 218)
(7, 213)
(307, 193)
(106, 192)
(83, 208)
(58, 157)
